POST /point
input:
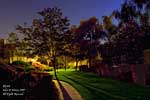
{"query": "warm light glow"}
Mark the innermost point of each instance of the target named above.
(39, 65)
(33, 60)
(17, 58)
(81, 62)
(36, 64)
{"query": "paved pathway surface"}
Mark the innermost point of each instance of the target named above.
(66, 91)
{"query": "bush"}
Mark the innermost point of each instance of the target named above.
(49, 69)
(28, 69)
(22, 63)
(26, 66)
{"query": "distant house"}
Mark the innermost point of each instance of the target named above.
(9, 53)
(4, 54)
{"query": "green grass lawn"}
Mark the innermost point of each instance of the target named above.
(93, 87)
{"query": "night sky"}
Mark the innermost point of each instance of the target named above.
(14, 12)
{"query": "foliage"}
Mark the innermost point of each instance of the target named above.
(13, 38)
(46, 35)
(20, 63)
(42, 60)
(85, 39)
(26, 66)
(130, 38)
(51, 36)
(49, 69)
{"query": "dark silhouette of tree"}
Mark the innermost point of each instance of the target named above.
(46, 35)
(13, 38)
(132, 34)
(88, 36)
(72, 46)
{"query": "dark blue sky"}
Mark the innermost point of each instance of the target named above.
(13, 12)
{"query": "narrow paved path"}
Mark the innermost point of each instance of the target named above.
(66, 91)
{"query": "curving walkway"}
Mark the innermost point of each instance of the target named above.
(66, 91)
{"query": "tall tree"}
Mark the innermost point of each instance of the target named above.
(89, 34)
(46, 35)
(132, 35)
(72, 47)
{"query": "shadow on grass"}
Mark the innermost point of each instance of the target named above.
(64, 92)
(94, 90)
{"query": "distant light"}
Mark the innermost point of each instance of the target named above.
(33, 60)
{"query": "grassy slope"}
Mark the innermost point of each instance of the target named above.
(93, 87)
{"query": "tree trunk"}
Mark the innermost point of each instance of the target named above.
(76, 64)
(12, 56)
(55, 70)
(90, 58)
(65, 63)
(90, 62)
(54, 65)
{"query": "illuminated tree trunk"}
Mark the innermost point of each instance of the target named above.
(90, 61)
(65, 63)
(76, 64)
(54, 65)
(90, 51)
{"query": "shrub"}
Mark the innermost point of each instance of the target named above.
(26, 66)
(22, 63)
(49, 69)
